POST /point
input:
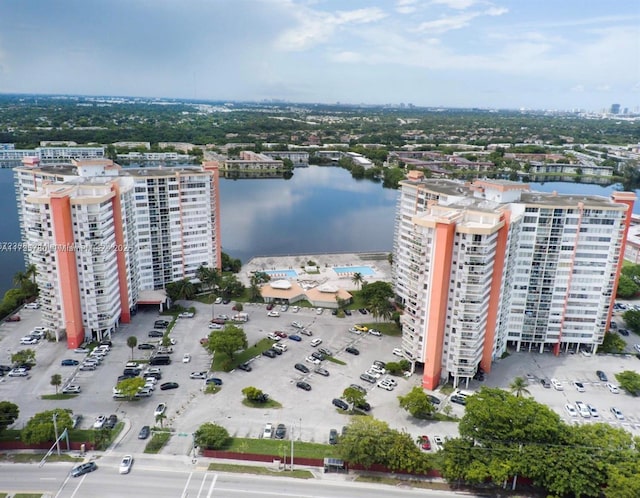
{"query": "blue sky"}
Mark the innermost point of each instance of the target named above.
(542, 54)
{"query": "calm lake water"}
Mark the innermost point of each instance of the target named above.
(318, 210)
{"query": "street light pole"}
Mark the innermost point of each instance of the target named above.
(55, 430)
(292, 437)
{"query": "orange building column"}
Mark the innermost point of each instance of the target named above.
(440, 271)
(67, 271)
(121, 260)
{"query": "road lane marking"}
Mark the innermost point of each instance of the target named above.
(184, 490)
(213, 483)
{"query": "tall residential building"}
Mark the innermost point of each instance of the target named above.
(479, 267)
(100, 236)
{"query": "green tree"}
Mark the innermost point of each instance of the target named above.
(612, 343)
(357, 279)
(252, 393)
(160, 418)
(366, 442)
(27, 356)
(353, 396)
(32, 272)
(184, 289)
(20, 279)
(9, 413)
(211, 436)
(40, 428)
(632, 319)
(227, 341)
(132, 342)
(519, 387)
(56, 381)
(231, 286)
(130, 387)
(209, 277)
(627, 287)
(239, 307)
(629, 381)
(393, 367)
(417, 403)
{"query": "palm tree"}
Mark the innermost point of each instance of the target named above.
(185, 289)
(161, 418)
(519, 387)
(56, 380)
(132, 342)
(357, 279)
(20, 278)
(31, 272)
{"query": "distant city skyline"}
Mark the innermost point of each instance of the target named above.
(574, 54)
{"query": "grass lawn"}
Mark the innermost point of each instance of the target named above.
(255, 469)
(335, 360)
(212, 389)
(36, 457)
(270, 403)
(58, 396)
(27, 495)
(275, 447)
(385, 328)
(158, 440)
(220, 361)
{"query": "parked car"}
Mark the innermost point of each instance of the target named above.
(613, 388)
(425, 444)
(214, 380)
(571, 410)
(434, 400)
(295, 338)
(281, 431)
(557, 385)
(321, 371)
(100, 421)
(340, 404)
(315, 342)
(374, 332)
(352, 350)
(325, 351)
(28, 341)
(333, 436)
(297, 325)
(364, 406)
(303, 385)
(69, 362)
(83, 468)
(312, 360)
(358, 387)
(186, 358)
(355, 331)
(186, 314)
(270, 353)
(125, 464)
(397, 352)
(460, 400)
(623, 332)
(579, 386)
(267, 432)
(218, 300)
(161, 324)
(198, 375)
(160, 409)
(144, 432)
(368, 378)
(546, 383)
(306, 332)
(169, 385)
(111, 422)
(617, 413)
(245, 367)
(155, 333)
(273, 313)
(302, 368)
(18, 372)
(601, 375)
(13, 318)
(32, 306)
(318, 355)
(385, 385)
(71, 389)
(363, 311)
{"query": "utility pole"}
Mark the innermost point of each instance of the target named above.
(55, 429)
(293, 427)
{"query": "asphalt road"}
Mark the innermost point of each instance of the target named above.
(153, 477)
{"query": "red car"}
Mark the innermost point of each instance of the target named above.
(204, 341)
(280, 334)
(270, 306)
(14, 318)
(425, 444)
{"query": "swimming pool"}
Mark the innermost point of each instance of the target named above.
(365, 271)
(281, 273)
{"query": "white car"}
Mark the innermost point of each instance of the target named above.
(579, 386)
(397, 352)
(267, 433)
(284, 307)
(593, 411)
(319, 311)
(32, 306)
(28, 340)
(637, 347)
(215, 326)
(99, 423)
(40, 329)
(617, 413)
(354, 331)
(160, 409)
(125, 464)
(297, 325)
(613, 388)
(218, 300)
(198, 375)
(295, 309)
(439, 440)
(186, 314)
(315, 342)
(273, 313)
(273, 337)
(557, 385)
(571, 410)
(186, 358)
(373, 374)
(311, 359)
(385, 385)
(375, 332)
(71, 389)
(18, 372)
(391, 381)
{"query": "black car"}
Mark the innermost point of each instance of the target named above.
(433, 399)
(169, 385)
(270, 353)
(214, 380)
(302, 368)
(83, 468)
(161, 324)
(245, 366)
(146, 345)
(347, 312)
(364, 406)
(303, 385)
(602, 376)
(5, 368)
(340, 404)
(456, 398)
(363, 311)
(144, 432)
(69, 363)
(281, 431)
(226, 301)
(623, 332)
(156, 333)
(125, 377)
(546, 383)
(318, 355)
(352, 350)
(334, 312)
(106, 342)
(111, 422)
(333, 436)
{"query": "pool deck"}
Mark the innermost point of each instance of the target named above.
(376, 260)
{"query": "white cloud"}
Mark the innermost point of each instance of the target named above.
(406, 6)
(458, 21)
(346, 56)
(456, 4)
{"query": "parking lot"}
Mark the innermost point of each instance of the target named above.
(309, 414)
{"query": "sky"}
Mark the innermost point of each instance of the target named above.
(532, 54)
